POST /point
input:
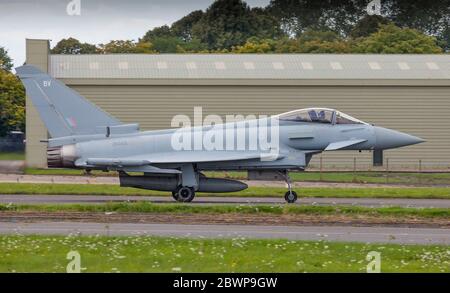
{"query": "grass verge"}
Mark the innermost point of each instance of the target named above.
(93, 189)
(155, 254)
(13, 156)
(145, 207)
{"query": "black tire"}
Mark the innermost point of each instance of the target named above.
(290, 197)
(185, 194)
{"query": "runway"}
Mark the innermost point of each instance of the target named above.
(335, 233)
(98, 199)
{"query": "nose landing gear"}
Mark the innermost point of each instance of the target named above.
(290, 196)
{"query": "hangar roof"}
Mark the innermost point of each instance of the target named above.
(250, 66)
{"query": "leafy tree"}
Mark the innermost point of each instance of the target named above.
(118, 46)
(318, 35)
(73, 46)
(310, 42)
(315, 41)
(5, 60)
(183, 27)
(224, 24)
(292, 26)
(144, 47)
(391, 39)
(166, 44)
(193, 46)
(265, 25)
(158, 32)
(297, 16)
(317, 46)
(288, 45)
(228, 23)
(444, 40)
(430, 17)
(126, 47)
(253, 45)
(12, 103)
(368, 25)
(165, 40)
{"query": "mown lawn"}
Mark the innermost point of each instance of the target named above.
(154, 254)
(13, 156)
(375, 177)
(179, 208)
(97, 189)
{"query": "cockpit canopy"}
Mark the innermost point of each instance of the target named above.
(319, 115)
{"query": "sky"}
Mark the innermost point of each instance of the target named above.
(93, 21)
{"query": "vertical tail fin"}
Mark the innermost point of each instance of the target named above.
(63, 111)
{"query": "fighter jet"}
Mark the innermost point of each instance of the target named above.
(83, 136)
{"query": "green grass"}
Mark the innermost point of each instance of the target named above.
(13, 156)
(348, 177)
(97, 189)
(155, 254)
(71, 172)
(145, 207)
(358, 177)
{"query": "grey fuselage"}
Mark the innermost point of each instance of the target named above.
(297, 142)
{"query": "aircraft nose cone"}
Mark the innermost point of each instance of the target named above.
(388, 138)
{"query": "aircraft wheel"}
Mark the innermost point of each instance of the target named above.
(185, 194)
(290, 197)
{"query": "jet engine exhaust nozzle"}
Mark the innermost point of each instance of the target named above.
(61, 157)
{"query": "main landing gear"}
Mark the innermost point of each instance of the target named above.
(290, 196)
(184, 194)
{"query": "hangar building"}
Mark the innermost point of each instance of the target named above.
(409, 93)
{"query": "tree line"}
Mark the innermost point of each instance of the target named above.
(12, 97)
(292, 26)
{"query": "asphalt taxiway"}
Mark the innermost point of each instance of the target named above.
(335, 233)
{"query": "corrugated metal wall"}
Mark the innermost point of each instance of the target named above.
(421, 111)
(37, 54)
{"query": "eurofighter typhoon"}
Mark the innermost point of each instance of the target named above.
(83, 136)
